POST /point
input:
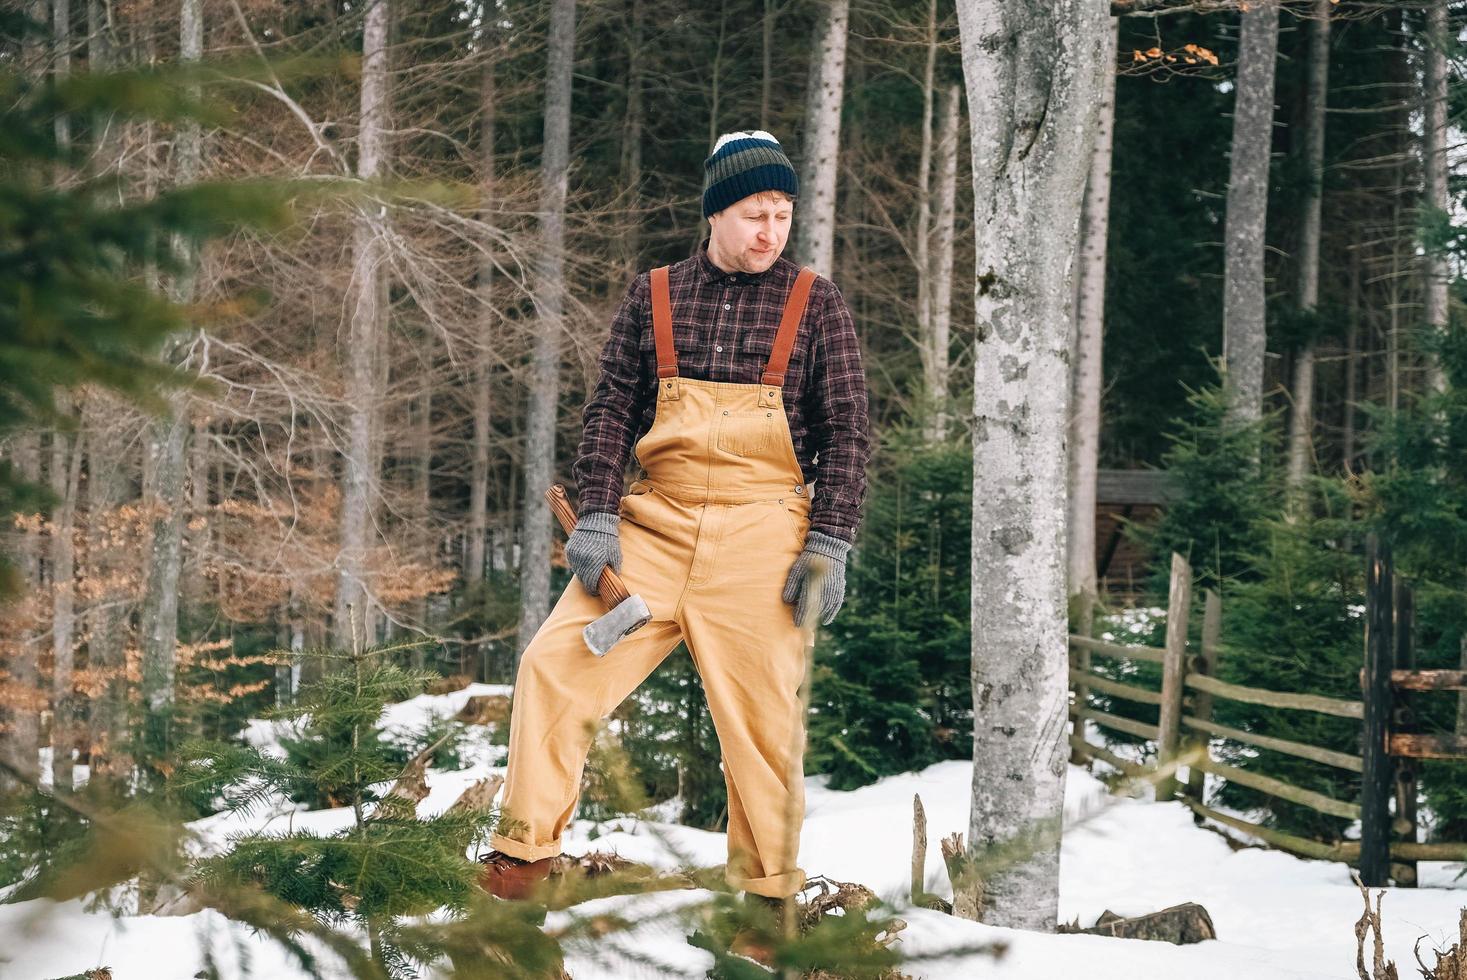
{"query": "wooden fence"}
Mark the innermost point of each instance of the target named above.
(1185, 728)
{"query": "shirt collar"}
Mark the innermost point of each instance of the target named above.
(712, 273)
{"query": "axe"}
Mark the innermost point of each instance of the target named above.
(628, 614)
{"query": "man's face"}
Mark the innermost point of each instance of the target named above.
(750, 234)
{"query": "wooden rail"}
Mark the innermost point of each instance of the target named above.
(1189, 686)
(1277, 699)
(1117, 650)
(1132, 769)
(1128, 691)
(1340, 760)
(1281, 789)
(1345, 851)
(1128, 725)
(1429, 680)
(1411, 746)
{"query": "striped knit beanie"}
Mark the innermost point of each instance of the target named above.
(744, 164)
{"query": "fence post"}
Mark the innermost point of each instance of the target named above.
(1375, 782)
(1202, 700)
(1080, 660)
(1173, 668)
(1403, 719)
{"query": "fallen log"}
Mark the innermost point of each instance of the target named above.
(1179, 924)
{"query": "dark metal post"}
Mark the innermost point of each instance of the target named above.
(1375, 783)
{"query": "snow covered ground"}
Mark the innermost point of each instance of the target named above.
(1276, 916)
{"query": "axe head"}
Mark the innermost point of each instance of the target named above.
(630, 615)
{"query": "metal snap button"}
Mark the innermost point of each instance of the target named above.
(728, 306)
(769, 415)
(725, 411)
(799, 489)
(719, 348)
(771, 394)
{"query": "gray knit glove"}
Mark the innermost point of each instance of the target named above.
(833, 593)
(592, 546)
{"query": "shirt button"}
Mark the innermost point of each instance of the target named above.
(719, 348)
(728, 306)
(730, 278)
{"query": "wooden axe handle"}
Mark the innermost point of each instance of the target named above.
(611, 588)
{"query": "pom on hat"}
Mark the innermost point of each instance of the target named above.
(744, 163)
(756, 134)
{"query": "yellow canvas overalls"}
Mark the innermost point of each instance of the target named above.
(707, 539)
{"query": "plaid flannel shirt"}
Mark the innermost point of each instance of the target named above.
(723, 328)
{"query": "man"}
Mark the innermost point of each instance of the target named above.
(735, 374)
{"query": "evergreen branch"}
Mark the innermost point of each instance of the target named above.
(270, 915)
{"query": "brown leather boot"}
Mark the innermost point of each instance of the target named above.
(757, 941)
(509, 877)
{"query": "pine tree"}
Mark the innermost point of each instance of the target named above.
(1295, 623)
(1418, 503)
(389, 862)
(891, 691)
(1220, 496)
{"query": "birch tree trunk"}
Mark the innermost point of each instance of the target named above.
(165, 494)
(21, 743)
(766, 84)
(1401, 73)
(715, 75)
(815, 227)
(424, 537)
(359, 477)
(1351, 366)
(943, 255)
(1244, 292)
(1301, 421)
(61, 62)
(106, 488)
(197, 533)
(923, 245)
(482, 392)
(1034, 71)
(1434, 153)
(167, 443)
(1089, 344)
(65, 452)
(550, 282)
(65, 475)
(631, 152)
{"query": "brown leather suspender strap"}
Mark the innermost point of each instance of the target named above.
(784, 341)
(662, 324)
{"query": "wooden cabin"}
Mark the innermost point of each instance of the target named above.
(1125, 496)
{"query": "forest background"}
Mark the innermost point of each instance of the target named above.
(389, 378)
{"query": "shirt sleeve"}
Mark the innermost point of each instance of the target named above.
(839, 423)
(616, 406)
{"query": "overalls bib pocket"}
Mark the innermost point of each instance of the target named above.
(745, 433)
